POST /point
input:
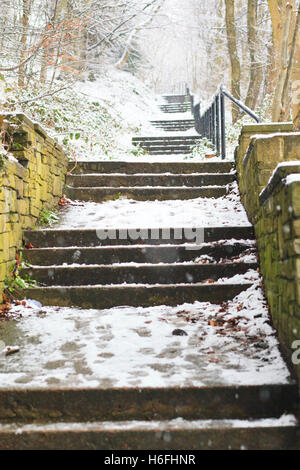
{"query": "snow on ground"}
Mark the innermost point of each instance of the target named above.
(228, 344)
(121, 213)
(127, 98)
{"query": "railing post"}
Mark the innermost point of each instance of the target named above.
(196, 115)
(223, 125)
(218, 123)
(214, 122)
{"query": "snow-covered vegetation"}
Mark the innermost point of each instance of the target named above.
(94, 119)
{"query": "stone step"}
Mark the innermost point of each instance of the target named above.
(154, 193)
(50, 238)
(118, 404)
(159, 145)
(170, 108)
(167, 140)
(118, 436)
(142, 295)
(177, 99)
(117, 180)
(128, 254)
(177, 123)
(174, 121)
(172, 128)
(170, 105)
(150, 168)
(134, 274)
(168, 152)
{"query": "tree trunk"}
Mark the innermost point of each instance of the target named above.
(295, 75)
(293, 72)
(25, 21)
(275, 7)
(233, 54)
(277, 111)
(255, 68)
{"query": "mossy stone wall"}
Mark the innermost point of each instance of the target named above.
(32, 178)
(268, 167)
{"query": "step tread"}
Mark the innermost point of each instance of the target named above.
(133, 253)
(150, 274)
(167, 425)
(145, 188)
(151, 167)
(179, 265)
(162, 436)
(135, 295)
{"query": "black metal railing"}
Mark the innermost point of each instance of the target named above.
(212, 122)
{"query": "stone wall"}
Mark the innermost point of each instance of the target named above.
(269, 180)
(31, 179)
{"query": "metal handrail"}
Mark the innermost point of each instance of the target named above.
(212, 122)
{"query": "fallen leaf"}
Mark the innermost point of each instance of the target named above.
(29, 246)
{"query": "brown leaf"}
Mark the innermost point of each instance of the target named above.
(29, 246)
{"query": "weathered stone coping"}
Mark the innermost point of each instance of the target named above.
(278, 178)
(256, 137)
(268, 127)
(25, 120)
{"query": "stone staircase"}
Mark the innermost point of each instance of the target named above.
(161, 145)
(175, 104)
(83, 268)
(176, 125)
(175, 108)
(161, 273)
(104, 181)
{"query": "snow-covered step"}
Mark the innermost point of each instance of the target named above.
(43, 238)
(269, 434)
(167, 138)
(135, 295)
(156, 179)
(137, 254)
(174, 125)
(147, 193)
(175, 273)
(115, 167)
(175, 108)
(164, 145)
(176, 99)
